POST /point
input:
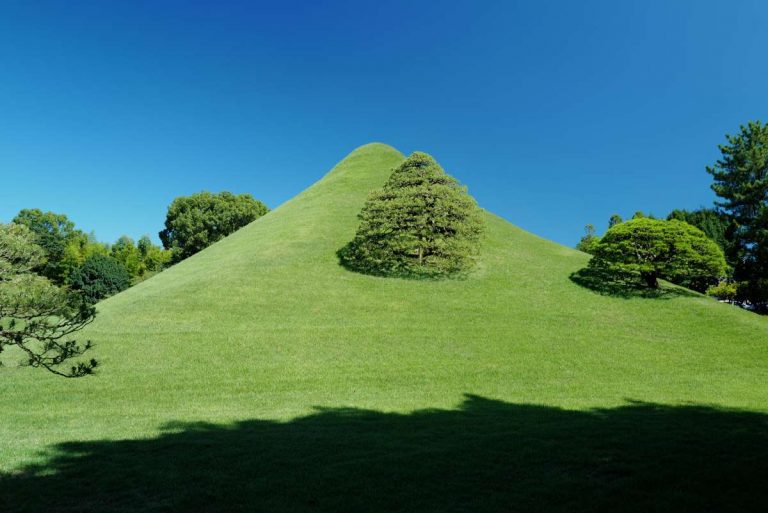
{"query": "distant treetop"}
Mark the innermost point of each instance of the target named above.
(195, 222)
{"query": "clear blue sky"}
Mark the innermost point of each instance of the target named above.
(555, 114)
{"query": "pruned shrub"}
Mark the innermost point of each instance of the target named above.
(652, 249)
(100, 277)
(421, 224)
(727, 291)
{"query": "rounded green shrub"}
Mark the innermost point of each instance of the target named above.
(652, 249)
(100, 277)
(195, 222)
(727, 291)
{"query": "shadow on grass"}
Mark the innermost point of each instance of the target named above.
(486, 456)
(606, 283)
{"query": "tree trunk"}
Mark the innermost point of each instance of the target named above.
(651, 280)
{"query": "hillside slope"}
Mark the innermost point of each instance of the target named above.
(266, 325)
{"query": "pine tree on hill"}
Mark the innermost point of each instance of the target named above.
(421, 224)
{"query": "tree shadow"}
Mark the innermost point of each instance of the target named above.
(607, 283)
(485, 456)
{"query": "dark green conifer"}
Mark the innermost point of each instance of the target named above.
(422, 223)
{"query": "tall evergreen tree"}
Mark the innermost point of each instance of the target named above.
(741, 180)
(422, 223)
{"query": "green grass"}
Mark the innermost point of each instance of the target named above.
(259, 375)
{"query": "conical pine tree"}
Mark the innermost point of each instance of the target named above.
(422, 223)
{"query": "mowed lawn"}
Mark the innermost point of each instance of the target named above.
(259, 375)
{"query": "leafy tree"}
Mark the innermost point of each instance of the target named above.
(100, 277)
(153, 257)
(126, 252)
(77, 251)
(195, 222)
(139, 259)
(652, 249)
(589, 240)
(67, 248)
(614, 220)
(145, 245)
(422, 223)
(717, 225)
(741, 180)
(36, 316)
(54, 232)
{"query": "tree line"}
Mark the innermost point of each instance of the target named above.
(52, 273)
(421, 224)
(734, 266)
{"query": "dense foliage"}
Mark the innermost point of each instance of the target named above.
(651, 249)
(36, 316)
(717, 225)
(741, 181)
(66, 248)
(100, 277)
(422, 223)
(725, 290)
(54, 233)
(140, 259)
(195, 222)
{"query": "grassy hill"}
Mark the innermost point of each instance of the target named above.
(259, 375)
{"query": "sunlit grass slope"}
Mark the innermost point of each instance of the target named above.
(266, 325)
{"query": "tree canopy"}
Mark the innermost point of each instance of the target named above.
(36, 316)
(99, 277)
(651, 249)
(421, 223)
(195, 222)
(54, 233)
(140, 259)
(717, 225)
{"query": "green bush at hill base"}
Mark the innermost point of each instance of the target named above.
(100, 277)
(724, 290)
(422, 223)
(652, 249)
